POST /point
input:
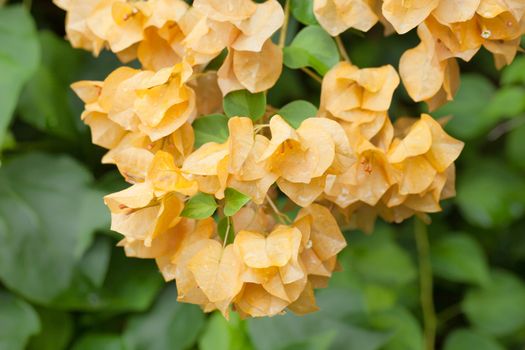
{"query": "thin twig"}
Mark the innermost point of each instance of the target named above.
(505, 127)
(282, 217)
(227, 232)
(342, 49)
(426, 283)
(260, 127)
(312, 74)
(284, 28)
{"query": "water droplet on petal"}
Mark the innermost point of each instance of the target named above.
(486, 34)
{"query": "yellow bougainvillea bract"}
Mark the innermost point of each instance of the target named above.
(347, 165)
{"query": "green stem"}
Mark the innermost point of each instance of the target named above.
(426, 283)
(284, 219)
(284, 28)
(312, 75)
(227, 232)
(342, 49)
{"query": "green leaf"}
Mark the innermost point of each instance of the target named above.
(497, 309)
(57, 330)
(490, 194)
(405, 328)
(378, 297)
(242, 103)
(222, 334)
(168, 325)
(210, 128)
(378, 258)
(292, 332)
(222, 227)
(99, 342)
(234, 201)
(18, 321)
(95, 262)
(303, 11)
(96, 68)
(460, 258)
(515, 147)
(466, 339)
(289, 87)
(111, 181)
(47, 218)
(19, 56)
(216, 335)
(331, 301)
(9, 142)
(297, 111)
(507, 102)
(45, 103)
(316, 342)
(200, 206)
(515, 73)
(468, 108)
(216, 63)
(312, 47)
(129, 284)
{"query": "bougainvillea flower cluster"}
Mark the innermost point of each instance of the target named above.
(347, 165)
(448, 30)
(162, 33)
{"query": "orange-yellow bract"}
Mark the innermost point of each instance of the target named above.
(448, 29)
(398, 170)
(336, 16)
(457, 29)
(162, 33)
(125, 27)
(349, 162)
(232, 164)
(135, 112)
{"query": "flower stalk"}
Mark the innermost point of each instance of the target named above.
(426, 283)
(342, 49)
(284, 28)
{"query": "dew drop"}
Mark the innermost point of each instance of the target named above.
(486, 34)
(309, 244)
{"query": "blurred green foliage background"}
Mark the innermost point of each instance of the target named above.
(64, 284)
